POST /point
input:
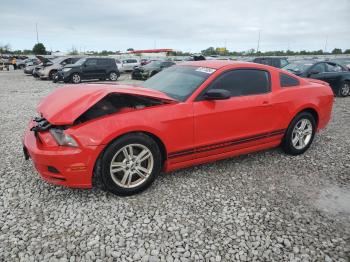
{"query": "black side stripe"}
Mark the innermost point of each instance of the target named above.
(225, 144)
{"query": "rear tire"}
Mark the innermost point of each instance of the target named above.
(75, 78)
(130, 164)
(300, 134)
(113, 76)
(344, 89)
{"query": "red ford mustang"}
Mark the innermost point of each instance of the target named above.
(122, 136)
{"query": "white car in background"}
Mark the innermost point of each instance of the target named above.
(128, 64)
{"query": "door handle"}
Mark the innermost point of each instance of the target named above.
(265, 102)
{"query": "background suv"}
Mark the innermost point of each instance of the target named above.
(129, 64)
(89, 68)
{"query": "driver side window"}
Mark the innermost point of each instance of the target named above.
(243, 82)
(320, 68)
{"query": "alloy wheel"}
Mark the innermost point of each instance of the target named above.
(345, 89)
(302, 134)
(131, 165)
(113, 76)
(76, 78)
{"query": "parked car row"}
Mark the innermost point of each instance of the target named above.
(73, 69)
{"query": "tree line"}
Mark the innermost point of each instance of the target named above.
(40, 49)
(210, 51)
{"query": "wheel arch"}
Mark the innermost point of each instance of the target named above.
(52, 70)
(151, 134)
(154, 72)
(310, 110)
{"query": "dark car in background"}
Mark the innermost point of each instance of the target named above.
(150, 69)
(278, 62)
(89, 68)
(337, 75)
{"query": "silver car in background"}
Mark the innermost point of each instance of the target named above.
(50, 66)
(128, 64)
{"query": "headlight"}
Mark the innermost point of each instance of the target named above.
(63, 139)
(66, 69)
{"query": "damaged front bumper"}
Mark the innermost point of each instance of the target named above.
(59, 165)
(61, 76)
(139, 74)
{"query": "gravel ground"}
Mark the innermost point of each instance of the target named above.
(265, 206)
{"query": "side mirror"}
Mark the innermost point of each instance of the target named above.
(217, 94)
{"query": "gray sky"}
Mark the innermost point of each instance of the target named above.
(188, 25)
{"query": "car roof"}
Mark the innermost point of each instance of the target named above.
(216, 64)
(97, 57)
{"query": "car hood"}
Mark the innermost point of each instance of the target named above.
(44, 60)
(64, 105)
(145, 67)
(70, 65)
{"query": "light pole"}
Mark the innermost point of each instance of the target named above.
(257, 49)
(37, 34)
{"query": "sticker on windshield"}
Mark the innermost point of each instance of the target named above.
(206, 70)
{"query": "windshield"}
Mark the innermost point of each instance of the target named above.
(299, 66)
(58, 60)
(80, 61)
(153, 64)
(178, 82)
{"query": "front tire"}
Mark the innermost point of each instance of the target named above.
(344, 89)
(75, 78)
(300, 134)
(153, 73)
(130, 164)
(52, 74)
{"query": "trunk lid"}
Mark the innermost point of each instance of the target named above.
(316, 81)
(64, 105)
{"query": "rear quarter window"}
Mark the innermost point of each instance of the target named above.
(288, 81)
